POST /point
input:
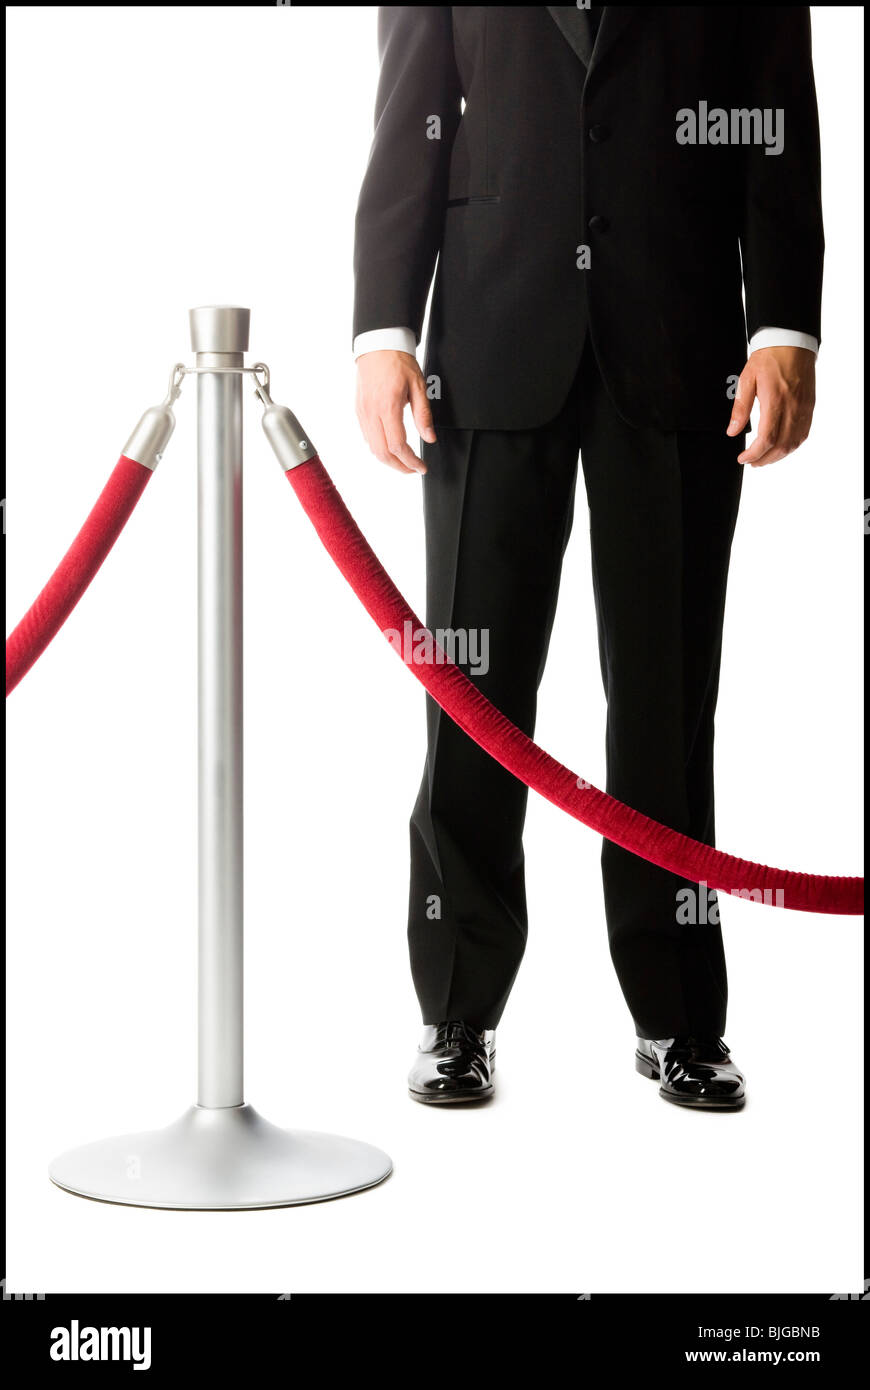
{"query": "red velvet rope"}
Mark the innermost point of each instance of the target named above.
(49, 612)
(479, 718)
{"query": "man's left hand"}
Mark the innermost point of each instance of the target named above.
(784, 380)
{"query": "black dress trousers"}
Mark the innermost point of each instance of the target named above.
(498, 509)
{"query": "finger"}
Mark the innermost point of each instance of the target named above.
(790, 436)
(422, 411)
(796, 433)
(397, 441)
(743, 402)
(772, 456)
(377, 442)
(767, 438)
(403, 451)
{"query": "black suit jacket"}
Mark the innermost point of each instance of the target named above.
(558, 146)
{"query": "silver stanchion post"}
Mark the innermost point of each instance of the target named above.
(219, 337)
(221, 1154)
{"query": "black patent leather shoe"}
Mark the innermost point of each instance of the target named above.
(692, 1071)
(454, 1063)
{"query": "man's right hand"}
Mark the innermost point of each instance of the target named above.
(386, 382)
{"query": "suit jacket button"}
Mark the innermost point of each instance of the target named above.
(598, 223)
(597, 133)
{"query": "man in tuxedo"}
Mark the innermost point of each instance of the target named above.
(597, 185)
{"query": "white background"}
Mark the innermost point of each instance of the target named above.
(161, 158)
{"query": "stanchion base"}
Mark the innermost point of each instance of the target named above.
(220, 1160)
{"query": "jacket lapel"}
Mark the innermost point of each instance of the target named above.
(574, 24)
(575, 27)
(613, 21)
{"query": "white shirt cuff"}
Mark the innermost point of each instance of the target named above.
(782, 337)
(404, 340)
(378, 339)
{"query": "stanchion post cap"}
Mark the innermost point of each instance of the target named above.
(219, 328)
